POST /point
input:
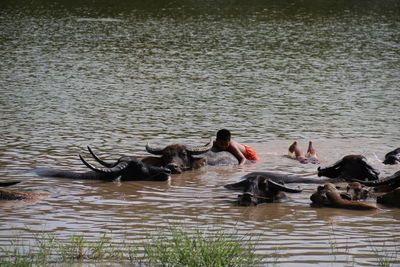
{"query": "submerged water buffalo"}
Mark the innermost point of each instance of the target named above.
(385, 184)
(289, 179)
(390, 185)
(391, 199)
(356, 191)
(350, 167)
(179, 158)
(125, 169)
(393, 157)
(328, 195)
(259, 189)
(18, 195)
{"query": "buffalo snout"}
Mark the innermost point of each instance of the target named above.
(174, 168)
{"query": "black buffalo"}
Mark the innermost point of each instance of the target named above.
(350, 167)
(125, 169)
(179, 158)
(290, 179)
(393, 157)
(259, 189)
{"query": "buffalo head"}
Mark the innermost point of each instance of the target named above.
(259, 189)
(177, 157)
(355, 191)
(127, 168)
(327, 195)
(393, 157)
(350, 167)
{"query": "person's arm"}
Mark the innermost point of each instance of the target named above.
(234, 149)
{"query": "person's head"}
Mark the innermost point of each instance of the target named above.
(223, 139)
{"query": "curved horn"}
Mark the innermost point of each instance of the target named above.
(281, 187)
(116, 169)
(387, 180)
(154, 150)
(196, 150)
(105, 164)
(9, 183)
(308, 174)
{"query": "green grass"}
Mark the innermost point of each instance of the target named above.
(176, 246)
(46, 250)
(182, 248)
(172, 248)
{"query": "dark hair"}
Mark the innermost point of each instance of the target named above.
(223, 135)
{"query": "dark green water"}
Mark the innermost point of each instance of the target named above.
(116, 74)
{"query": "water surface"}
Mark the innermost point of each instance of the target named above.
(116, 76)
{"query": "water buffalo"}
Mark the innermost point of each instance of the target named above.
(327, 195)
(259, 189)
(350, 167)
(393, 157)
(17, 195)
(179, 158)
(126, 169)
(289, 179)
(385, 184)
(356, 191)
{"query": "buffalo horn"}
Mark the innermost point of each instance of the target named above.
(282, 187)
(9, 183)
(154, 150)
(116, 169)
(384, 181)
(196, 150)
(308, 174)
(105, 164)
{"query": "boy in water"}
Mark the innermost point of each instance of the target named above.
(240, 151)
(310, 157)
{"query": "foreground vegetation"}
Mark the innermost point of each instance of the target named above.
(173, 248)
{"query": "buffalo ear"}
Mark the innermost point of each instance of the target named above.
(199, 163)
(153, 161)
(242, 185)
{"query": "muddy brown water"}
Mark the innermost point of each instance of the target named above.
(116, 76)
(300, 234)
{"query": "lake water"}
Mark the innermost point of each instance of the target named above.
(116, 74)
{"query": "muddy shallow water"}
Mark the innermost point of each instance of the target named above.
(196, 199)
(115, 77)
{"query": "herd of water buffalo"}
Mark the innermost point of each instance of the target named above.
(345, 184)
